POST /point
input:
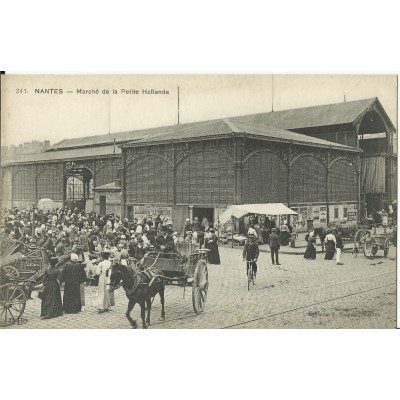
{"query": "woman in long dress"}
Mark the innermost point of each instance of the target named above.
(73, 275)
(102, 301)
(51, 301)
(330, 241)
(212, 245)
(285, 234)
(311, 253)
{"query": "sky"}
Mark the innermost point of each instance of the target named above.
(28, 113)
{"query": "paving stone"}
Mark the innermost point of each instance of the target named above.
(298, 294)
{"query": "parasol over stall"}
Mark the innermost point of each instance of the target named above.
(240, 210)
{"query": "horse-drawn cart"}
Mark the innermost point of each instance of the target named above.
(347, 233)
(186, 266)
(369, 244)
(15, 289)
(21, 270)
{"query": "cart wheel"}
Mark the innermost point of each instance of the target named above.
(200, 286)
(386, 249)
(12, 303)
(11, 271)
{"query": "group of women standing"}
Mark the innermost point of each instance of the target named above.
(204, 240)
(73, 276)
(333, 243)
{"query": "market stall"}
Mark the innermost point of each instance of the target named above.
(241, 210)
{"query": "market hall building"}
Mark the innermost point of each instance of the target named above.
(325, 162)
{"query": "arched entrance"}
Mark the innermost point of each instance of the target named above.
(78, 186)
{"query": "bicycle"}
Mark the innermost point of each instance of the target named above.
(251, 275)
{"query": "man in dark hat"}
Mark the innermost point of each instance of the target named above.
(132, 245)
(151, 235)
(188, 227)
(49, 244)
(157, 221)
(160, 237)
(165, 241)
(196, 225)
(251, 252)
(274, 245)
(169, 240)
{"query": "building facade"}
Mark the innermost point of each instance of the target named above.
(202, 176)
(67, 177)
(330, 163)
(363, 124)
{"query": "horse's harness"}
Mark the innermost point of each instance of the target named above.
(147, 272)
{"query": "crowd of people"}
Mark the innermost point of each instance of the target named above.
(332, 242)
(200, 233)
(262, 229)
(382, 216)
(89, 244)
(92, 243)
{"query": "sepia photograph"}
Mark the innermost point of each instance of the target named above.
(199, 200)
(246, 201)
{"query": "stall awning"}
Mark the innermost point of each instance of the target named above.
(241, 210)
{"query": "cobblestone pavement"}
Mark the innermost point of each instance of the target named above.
(297, 294)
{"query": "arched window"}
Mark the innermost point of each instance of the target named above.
(309, 180)
(205, 177)
(49, 184)
(265, 179)
(149, 180)
(23, 186)
(343, 185)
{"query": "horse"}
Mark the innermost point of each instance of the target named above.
(140, 287)
(321, 233)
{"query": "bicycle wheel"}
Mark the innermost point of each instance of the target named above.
(249, 275)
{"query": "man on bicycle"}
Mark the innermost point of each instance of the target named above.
(251, 252)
